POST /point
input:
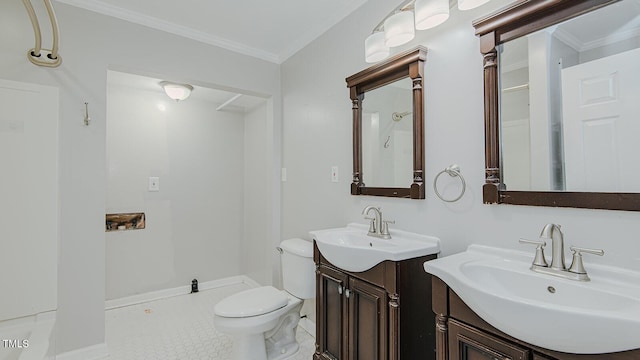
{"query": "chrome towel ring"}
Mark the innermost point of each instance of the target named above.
(453, 170)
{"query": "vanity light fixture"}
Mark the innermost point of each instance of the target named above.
(374, 47)
(399, 29)
(176, 91)
(430, 13)
(399, 26)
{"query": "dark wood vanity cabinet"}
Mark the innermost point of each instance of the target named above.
(379, 314)
(354, 315)
(466, 342)
(462, 335)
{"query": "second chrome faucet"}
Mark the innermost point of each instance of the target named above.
(558, 267)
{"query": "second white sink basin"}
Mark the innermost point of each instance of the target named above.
(351, 249)
(599, 316)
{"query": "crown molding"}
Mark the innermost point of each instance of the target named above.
(580, 46)
(166, 26)
(612, 39)
(316, 32)
(569, 39)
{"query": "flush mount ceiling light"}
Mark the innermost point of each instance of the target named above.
(399, 26)
(176, 91)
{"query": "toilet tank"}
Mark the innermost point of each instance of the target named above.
(298, 268)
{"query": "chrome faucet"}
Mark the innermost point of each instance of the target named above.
(553, 232)
(377, 227)
(558, 268)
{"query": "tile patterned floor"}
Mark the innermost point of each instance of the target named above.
(177, 328)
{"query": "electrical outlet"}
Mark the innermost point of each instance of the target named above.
(154, 183)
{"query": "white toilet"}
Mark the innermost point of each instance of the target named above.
(262, 321)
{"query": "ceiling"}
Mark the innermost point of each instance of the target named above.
(605, 26)
(269, 30)
(224, 100)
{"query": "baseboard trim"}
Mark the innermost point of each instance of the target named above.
(181, 290)
(94, 352)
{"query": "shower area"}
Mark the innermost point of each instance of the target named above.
(387, 135)
(198, 169)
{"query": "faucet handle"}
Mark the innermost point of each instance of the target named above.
(384, 229)
(576, 265)
(372, 224)
(539, 259)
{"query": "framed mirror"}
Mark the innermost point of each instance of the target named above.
(388, 127)
(562, 94)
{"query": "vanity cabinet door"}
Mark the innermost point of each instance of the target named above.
(331, 314)
(367, 321)
(468, 343)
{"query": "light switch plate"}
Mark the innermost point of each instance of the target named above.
(334, 174)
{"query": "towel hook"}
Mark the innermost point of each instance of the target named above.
(87, 119)
(453, 170)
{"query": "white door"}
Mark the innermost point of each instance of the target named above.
(28, 199)
(601, 124)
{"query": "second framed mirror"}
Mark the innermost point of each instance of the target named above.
(388, 127)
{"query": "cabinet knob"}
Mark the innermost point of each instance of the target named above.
(347, 293)
(340, 289)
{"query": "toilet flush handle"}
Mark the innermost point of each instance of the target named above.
(279, 249)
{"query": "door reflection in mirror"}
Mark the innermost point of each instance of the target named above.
(569, 99)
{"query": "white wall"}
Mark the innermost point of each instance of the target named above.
(257, 253)
(317, 134)
(89, 45)
(28, 199)
(194, 224)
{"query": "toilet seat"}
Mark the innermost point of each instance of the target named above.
(252, 302)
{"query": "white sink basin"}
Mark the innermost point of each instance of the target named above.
(351, 249)
(599, 316)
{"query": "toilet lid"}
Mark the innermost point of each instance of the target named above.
(251, 302)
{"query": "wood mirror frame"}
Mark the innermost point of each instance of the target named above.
(408, 64)
(516, 20)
